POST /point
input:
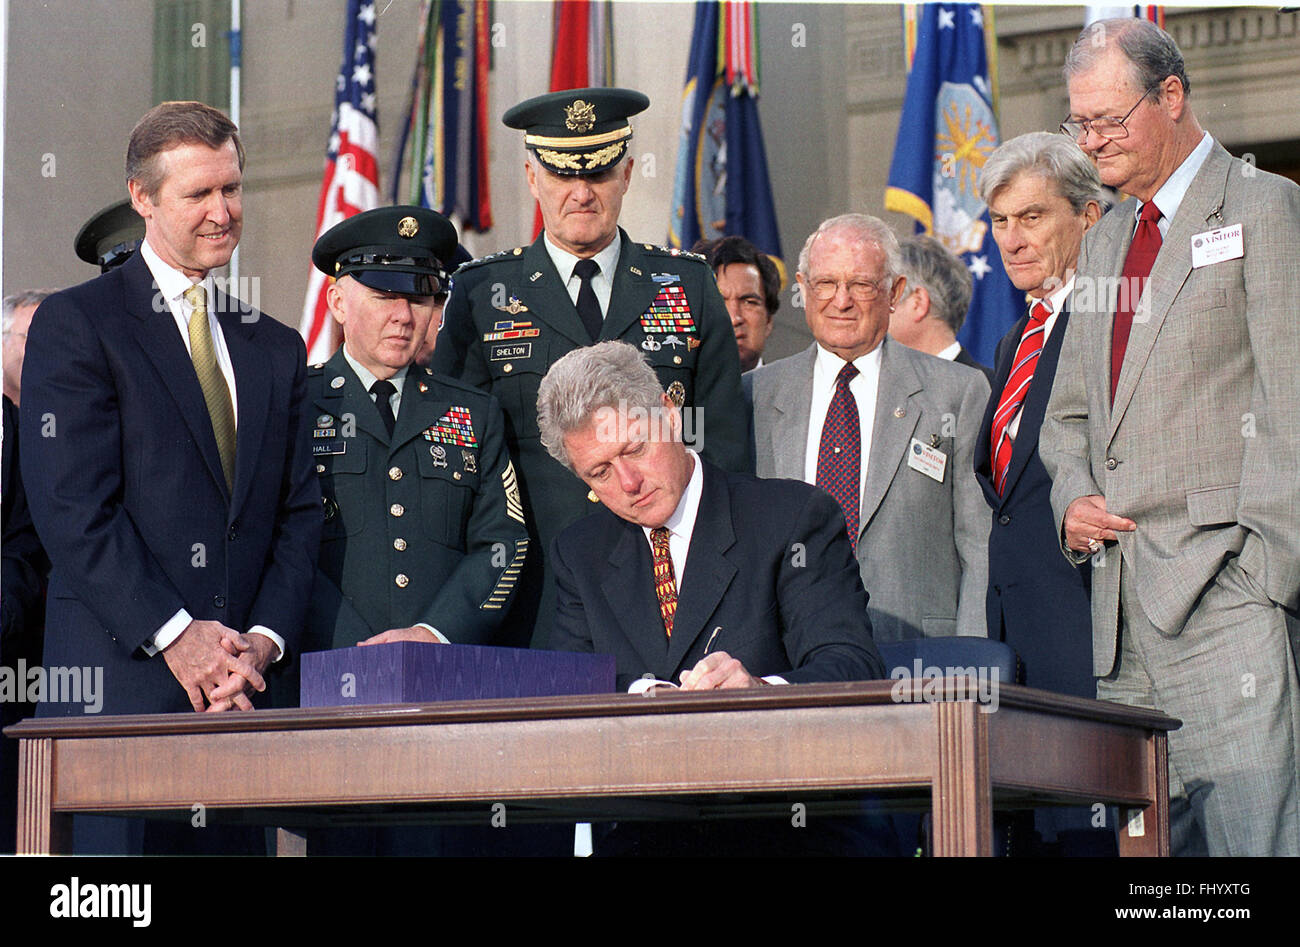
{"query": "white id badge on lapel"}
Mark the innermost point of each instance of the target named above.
(929, 460)
(1215, 246)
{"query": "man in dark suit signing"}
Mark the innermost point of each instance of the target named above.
(166, 448)
(690, 574)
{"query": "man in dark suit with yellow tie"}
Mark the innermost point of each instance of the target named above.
(165, 443)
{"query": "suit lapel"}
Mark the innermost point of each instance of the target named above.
(159, 338)
(708, 573)
(252, 370)
(542, 290)
(633, 291)
(1035, 405)
(892, 428)
(789, 403)
(1203, 200)
(984, 443)
(631, 595)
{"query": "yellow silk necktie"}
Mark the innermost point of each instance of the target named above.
(215, 390)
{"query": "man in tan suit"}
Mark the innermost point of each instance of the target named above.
(1173, 436)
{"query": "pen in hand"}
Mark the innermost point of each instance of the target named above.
(708, 644)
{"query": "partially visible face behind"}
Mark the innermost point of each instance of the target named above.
(580, 212)
(1037, 232)
(15, 345)
(1140, 162)
(741, 287)
(636, 466)
(842, 324)
(195, 221)
(425, 355)
(382, 330)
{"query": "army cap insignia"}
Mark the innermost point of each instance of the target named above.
(407, 227)
(580, 117)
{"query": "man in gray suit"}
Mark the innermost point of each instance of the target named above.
(888, 431)
(1172, 436)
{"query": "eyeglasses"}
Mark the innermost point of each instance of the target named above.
(862, 291)
(1108, 126)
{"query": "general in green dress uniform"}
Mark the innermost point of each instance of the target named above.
(510, 316)
(424, 536)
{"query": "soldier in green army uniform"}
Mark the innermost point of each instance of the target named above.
(424, 535)
(512, 315)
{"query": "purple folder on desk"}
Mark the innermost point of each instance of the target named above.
(413, 672)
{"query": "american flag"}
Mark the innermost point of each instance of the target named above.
(351, 182)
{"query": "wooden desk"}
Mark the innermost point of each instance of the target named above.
(583, 757)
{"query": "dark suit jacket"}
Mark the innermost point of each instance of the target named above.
(25, 565)
(965, 358)
(127, 491)
(1037, 601)
(769, 562)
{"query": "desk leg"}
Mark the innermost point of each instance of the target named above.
(41, 831)
(961, 792)
(289, 844)
(1150, 826)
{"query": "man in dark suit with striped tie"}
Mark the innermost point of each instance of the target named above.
(1043, 195)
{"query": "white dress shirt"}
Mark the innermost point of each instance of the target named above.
(172, 284)
(863, 387)
(1170, 196)
(950, 353)
(602, 284)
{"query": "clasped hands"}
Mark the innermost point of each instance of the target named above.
(219, 667)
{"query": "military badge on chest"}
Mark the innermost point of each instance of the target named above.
(455, 427)
(325, 439)
(669, 313)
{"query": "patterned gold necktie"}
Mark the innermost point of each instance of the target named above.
(665, 581)
(215, 390)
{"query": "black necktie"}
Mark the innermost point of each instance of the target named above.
(383, 390)
(588, 305)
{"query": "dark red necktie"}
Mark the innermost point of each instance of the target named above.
(1016, 390)
(1137, 267)
(839, 457)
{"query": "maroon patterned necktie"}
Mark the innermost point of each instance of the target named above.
(839, 457)
(665, 581)
(1016, 390)
(1137, 267)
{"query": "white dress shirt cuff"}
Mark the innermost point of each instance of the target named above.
(169, 632)
(433, 631)
(275, 639)
(775, 679)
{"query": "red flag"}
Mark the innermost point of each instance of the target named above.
(351, 182)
